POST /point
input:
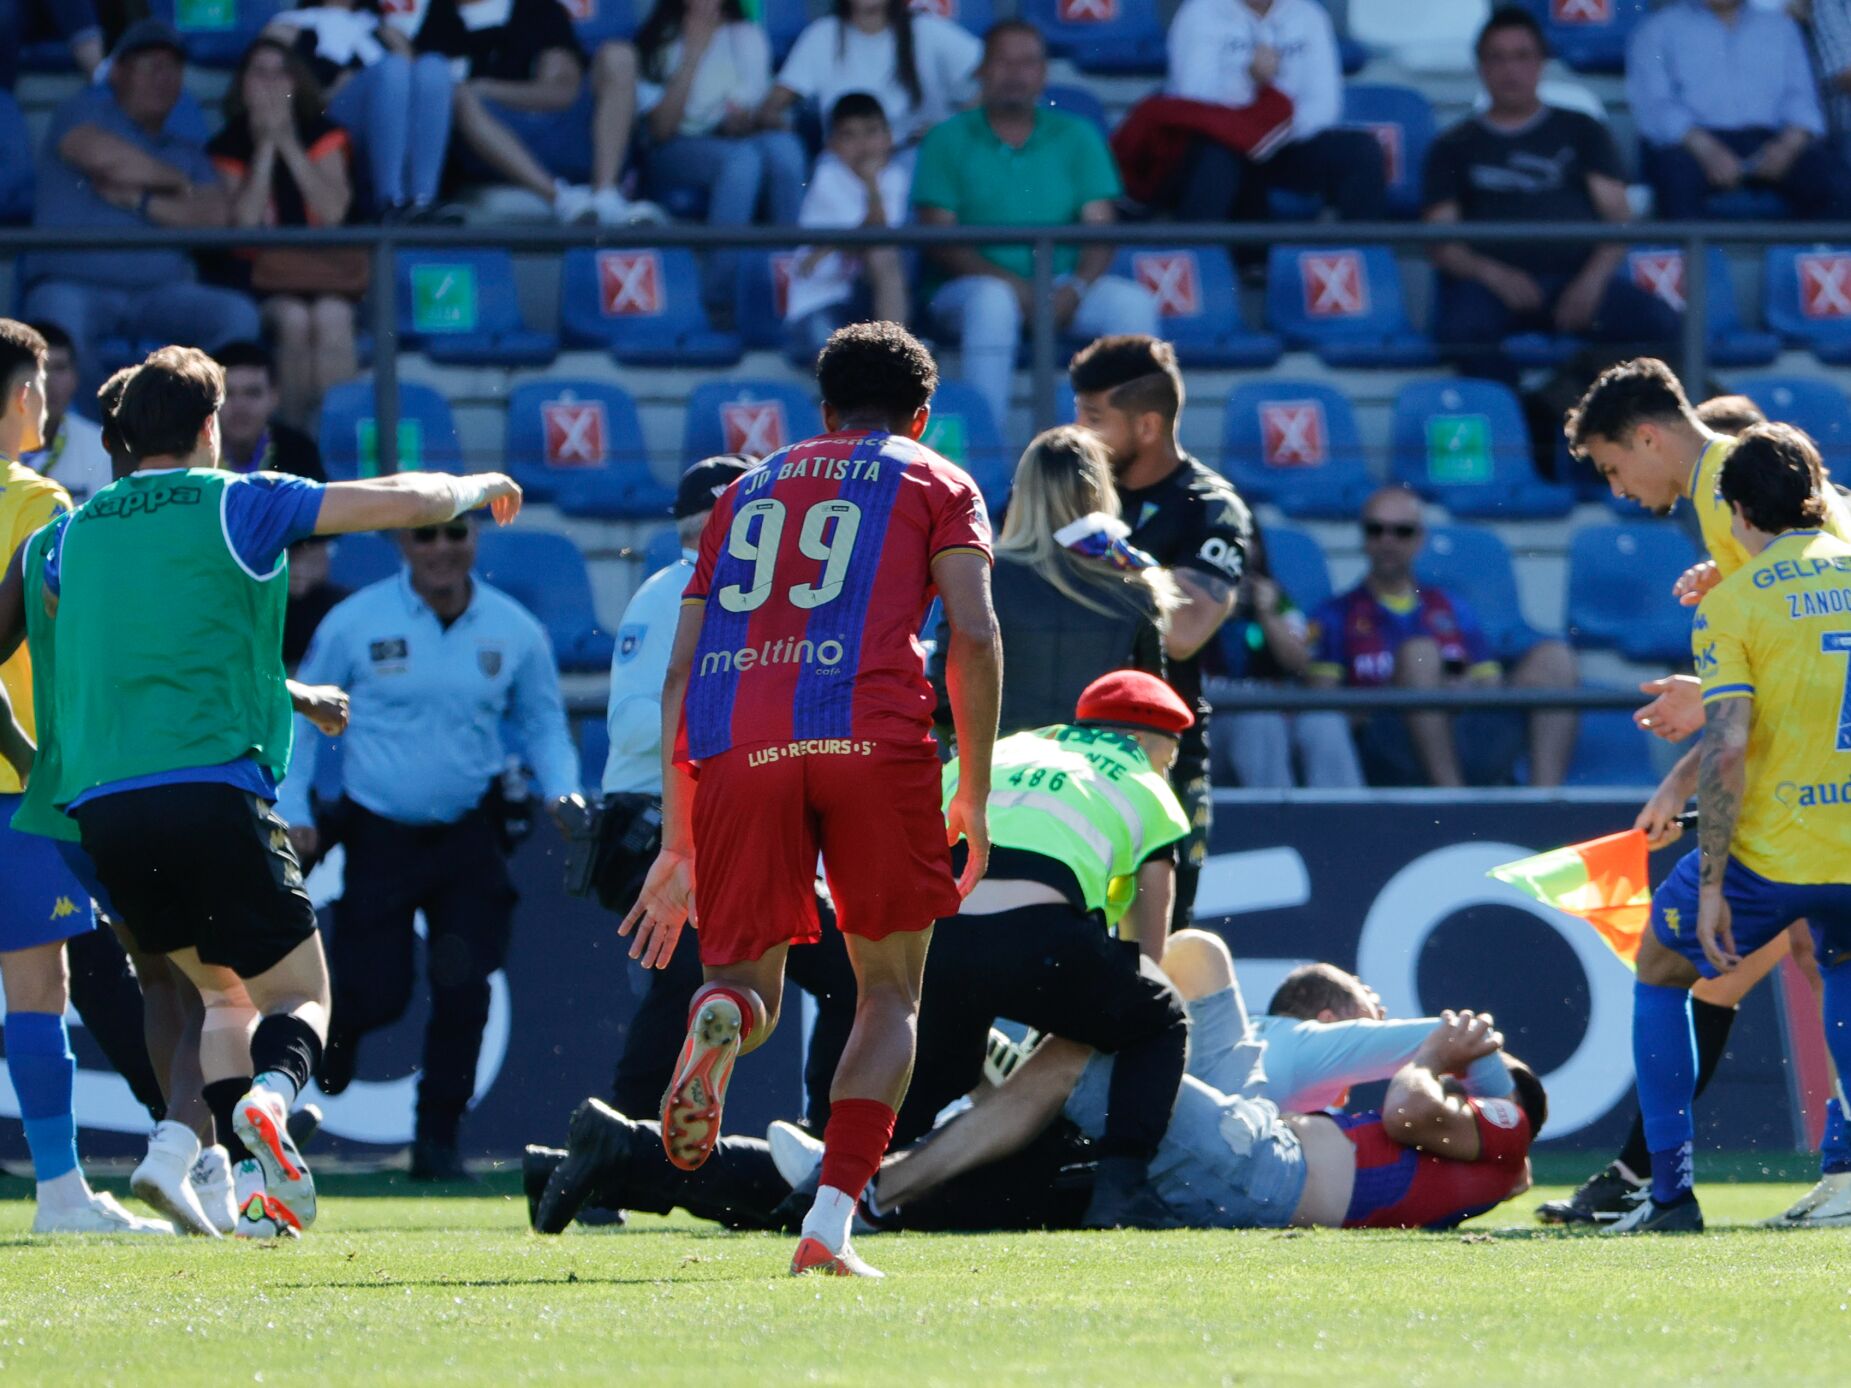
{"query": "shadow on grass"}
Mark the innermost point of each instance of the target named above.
(445, 1283)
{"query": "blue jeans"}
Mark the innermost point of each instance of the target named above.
(398, 112)
(983, 314)
(1817, 186)
(197, 314)
(740, 175)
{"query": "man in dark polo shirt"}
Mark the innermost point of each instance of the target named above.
(1522, 160)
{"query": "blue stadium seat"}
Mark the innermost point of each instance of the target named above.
(460, 307)
(582, 439)
(1806, 291)
(216, 32)
(663, 549)
(16, 172)
(747, 415)
(1471, 562)
(545, 573)
(597, 22)
(1660, 270)
(1464, 444)
(1101, 35)
(974, 15)
(963, 429)
(359, 560)
(1345, 304)
(594, 749)
(1747, 205)
(1401, 119)
(764, 293)
(1198, 304)
(1078, 101)
(1811, 403)
(642, 306)
(1610, 750)
(349, 442)
(1298, 566)
(1619, 590)
(783, 21)
(1590, 35)
(1295, 444)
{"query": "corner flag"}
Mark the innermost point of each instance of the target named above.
(1603, 881)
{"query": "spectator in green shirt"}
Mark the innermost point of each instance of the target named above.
(1012, 161)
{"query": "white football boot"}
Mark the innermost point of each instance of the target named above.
(211, 1182)
(1826, 1206)
(101, 1214)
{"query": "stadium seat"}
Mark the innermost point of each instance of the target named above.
(1610, 750)
(16, 171)
(216, 32)
(963, 429)
(1660, 270)
(349, 440)
(594, 749)
(745, 415)
(1078, 101)
(642, 306)
(359, 560)
(1295, 444)
(1298, 566)
(1465, 444)
(1619, 590)
(1101, 35)
(1345, 304)
(599, 21)
(1198, 304)
(1471, 562)
(764, 293)
(783, 21)
(975, 15)
(1590, 35)
(582, 439)
(460, 307)
(1811, 403)
(663, 549)
(545, 573)
(1807, 297)
(1432, 36)
(1402, 121)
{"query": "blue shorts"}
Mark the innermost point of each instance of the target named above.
(1759, 910)
(40, 902)
(559, 140)
(84, 871)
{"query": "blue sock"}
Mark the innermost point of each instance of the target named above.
(38, 1056)
(1835, 1149)
(1664, 1057)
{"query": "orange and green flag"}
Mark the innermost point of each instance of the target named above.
(1603, 882)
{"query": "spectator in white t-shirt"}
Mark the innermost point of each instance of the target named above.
(920, 66)
(705, 71)
(857, 183)
(1224, 52)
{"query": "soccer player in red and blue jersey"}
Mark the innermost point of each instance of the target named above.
(797, 720)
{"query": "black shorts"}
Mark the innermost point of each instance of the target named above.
(206, 867)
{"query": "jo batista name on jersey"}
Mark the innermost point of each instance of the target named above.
(818, 469)
(812, 747)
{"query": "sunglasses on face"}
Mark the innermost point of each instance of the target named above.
(1375, 530)
(427, 534)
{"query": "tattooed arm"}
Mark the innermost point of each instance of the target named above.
(1721, 777)
(1194, 624)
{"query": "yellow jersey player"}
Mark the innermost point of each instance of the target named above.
(1772, 643)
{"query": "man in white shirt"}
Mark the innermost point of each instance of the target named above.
(73, 455)
(1224, 52)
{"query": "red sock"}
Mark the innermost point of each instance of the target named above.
(743, 999)
(854, 1143)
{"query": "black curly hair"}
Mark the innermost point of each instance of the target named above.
(876, 371)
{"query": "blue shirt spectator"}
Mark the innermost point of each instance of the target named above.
(428, 702)
(1724, 97)
(114, 161)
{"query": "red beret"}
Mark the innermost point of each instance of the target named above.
(1134, 699)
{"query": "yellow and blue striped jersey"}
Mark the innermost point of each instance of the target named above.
(1713, 511)
(1778, 631)
(27, 501)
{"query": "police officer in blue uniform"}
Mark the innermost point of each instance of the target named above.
(434, 660)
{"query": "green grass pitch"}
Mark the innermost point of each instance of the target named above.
(399, 1286)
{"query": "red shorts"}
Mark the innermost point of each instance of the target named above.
(1399, 1188)
(762, 815)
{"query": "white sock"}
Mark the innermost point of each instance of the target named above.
(277, 1083)
(67, 1192)
(829, 1218)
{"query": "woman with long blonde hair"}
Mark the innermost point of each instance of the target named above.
(1074, 601)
